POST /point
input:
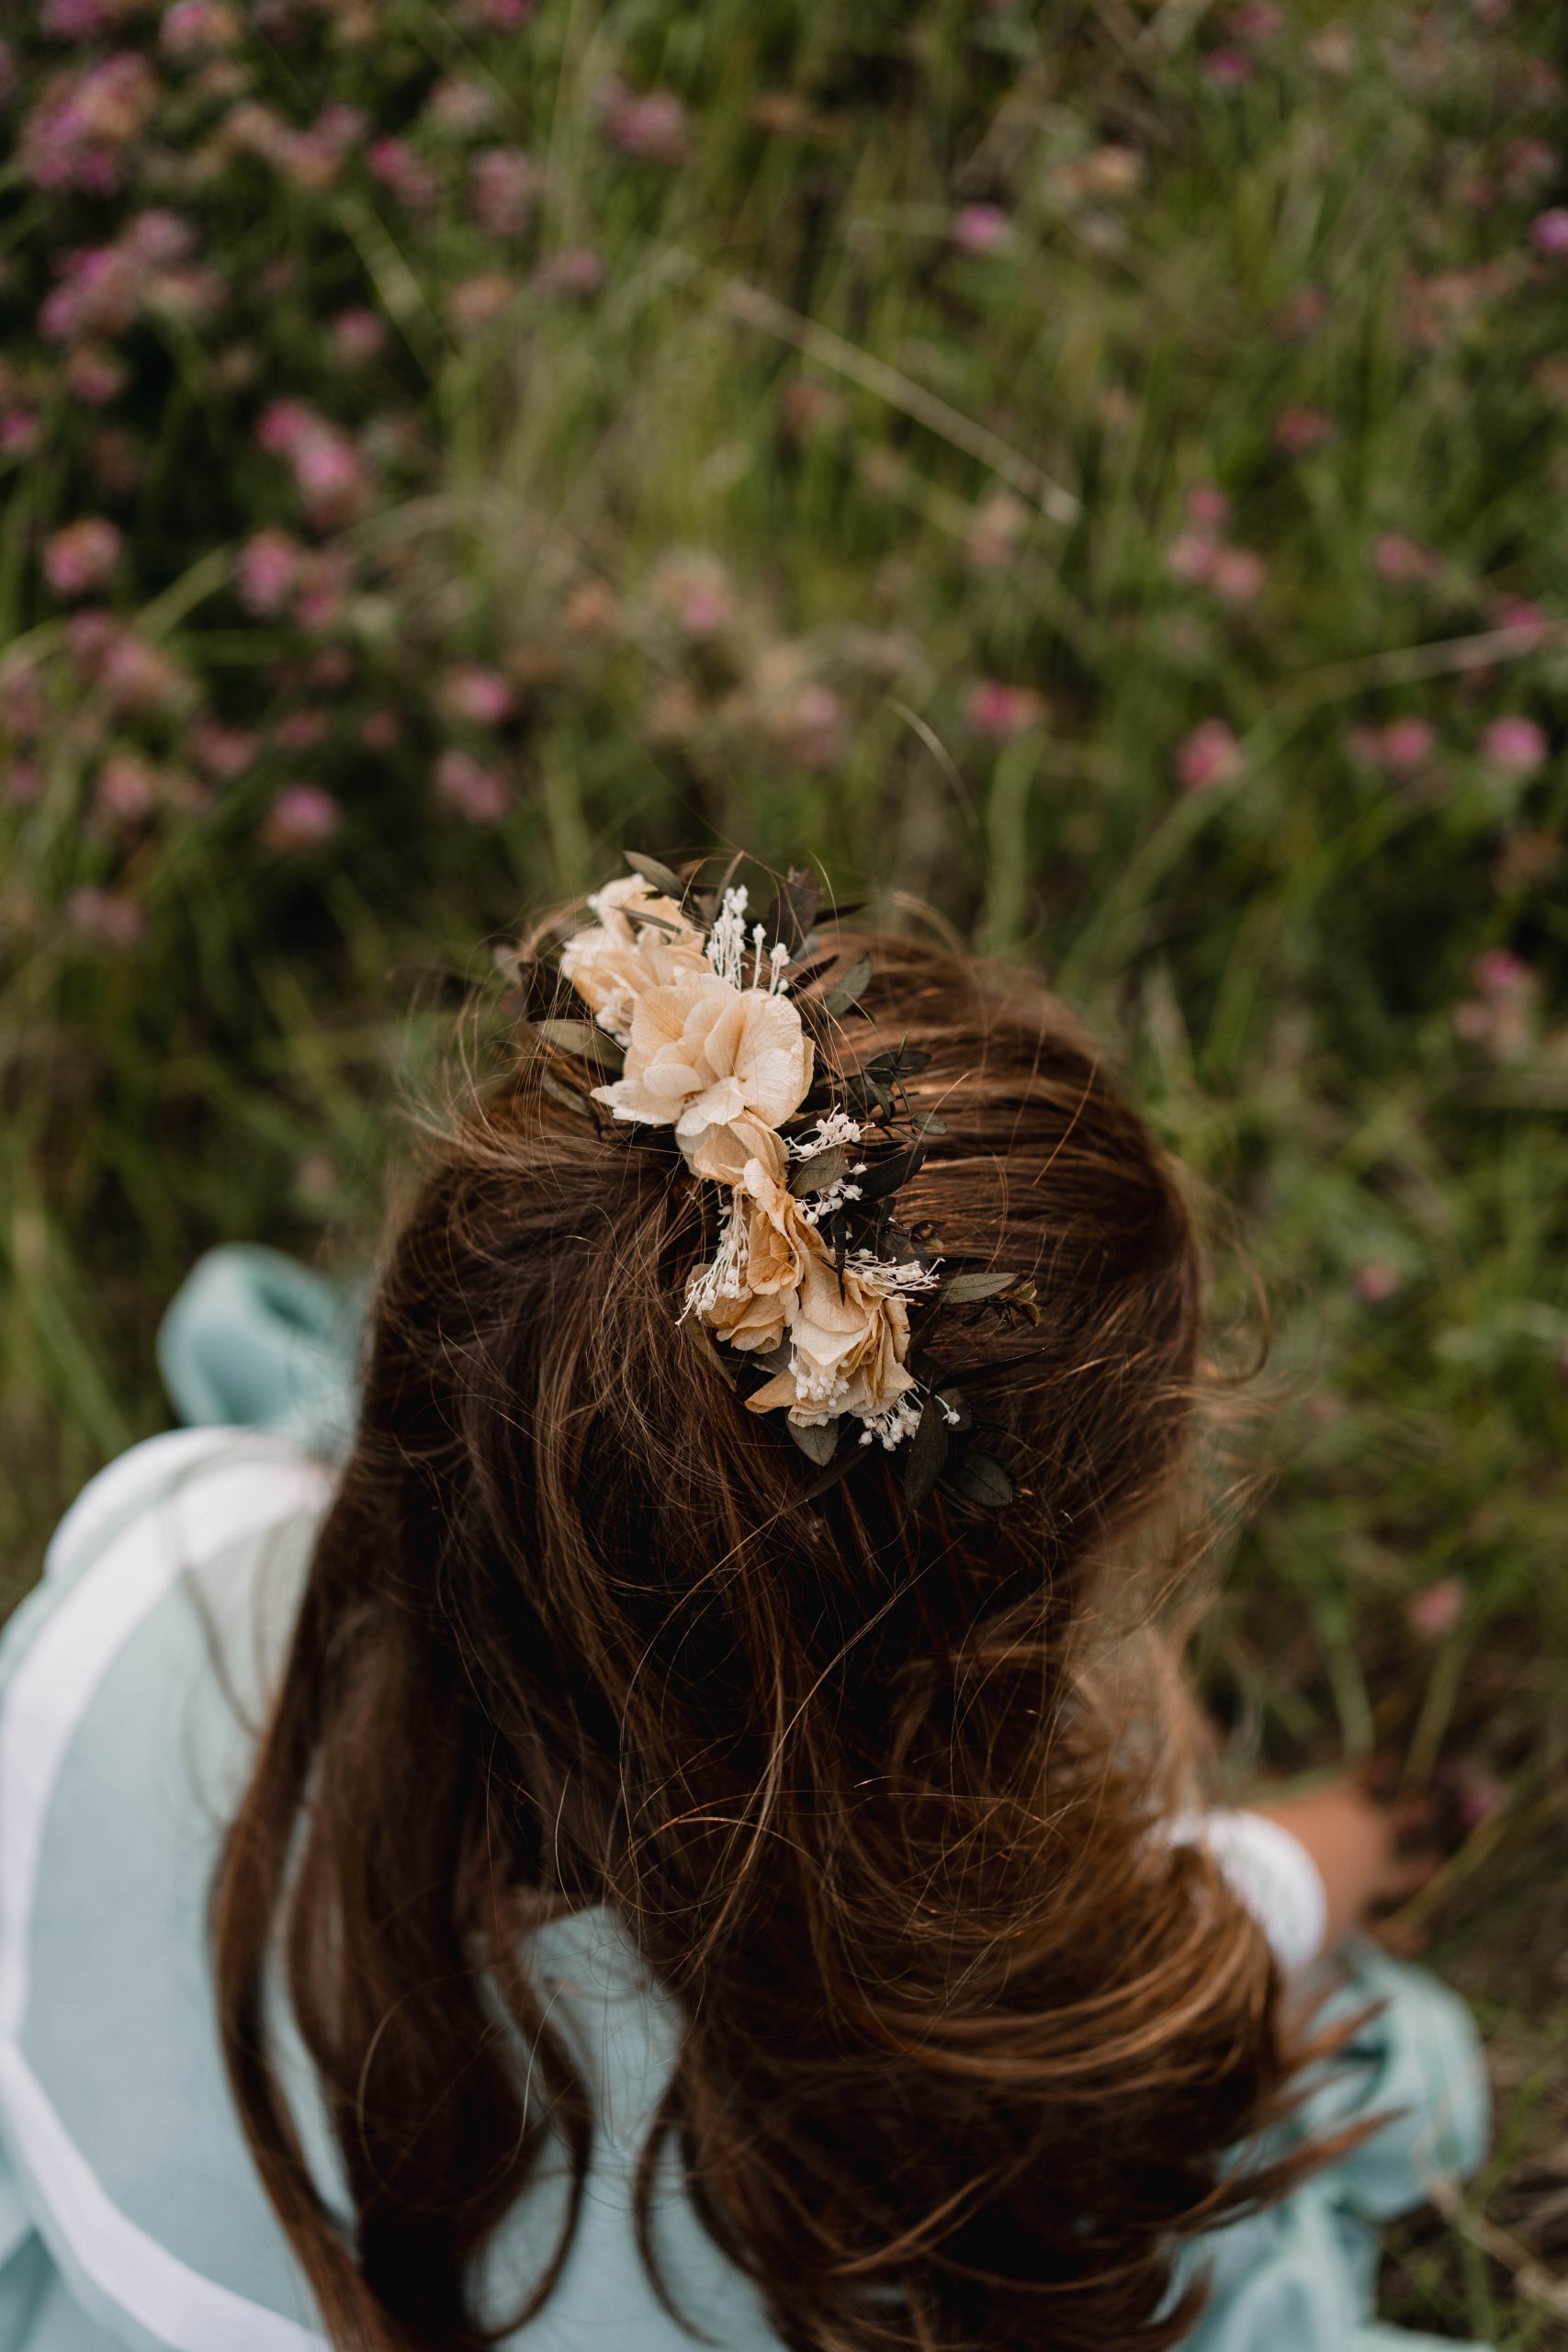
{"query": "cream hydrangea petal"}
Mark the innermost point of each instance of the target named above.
(727, 1153)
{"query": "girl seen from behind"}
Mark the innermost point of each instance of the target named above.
(722, 1845)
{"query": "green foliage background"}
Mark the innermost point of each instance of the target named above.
(824, 452)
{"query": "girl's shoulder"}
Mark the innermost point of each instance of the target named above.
(132, 1685)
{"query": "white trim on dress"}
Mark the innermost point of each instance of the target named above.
(50, 1692)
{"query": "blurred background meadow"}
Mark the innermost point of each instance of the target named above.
(1097, 469)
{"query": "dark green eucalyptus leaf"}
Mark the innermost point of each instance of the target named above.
(823, 1168)
(818, 1441)
(661, 875)
(963, 1290)
(900, 1061)
(925, 1123)
(792, 909)
(865, 1094)
(583, 1039)
(848, 990)
(888, 1174)
(980, 1480)
(926, 1457)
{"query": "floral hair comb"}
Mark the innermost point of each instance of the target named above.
(720, 1031)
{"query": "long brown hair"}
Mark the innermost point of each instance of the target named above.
(966, 2051)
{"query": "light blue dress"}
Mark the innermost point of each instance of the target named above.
(131, 1682)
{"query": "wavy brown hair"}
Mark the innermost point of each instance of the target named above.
(966, 2051)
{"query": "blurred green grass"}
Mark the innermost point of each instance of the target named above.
(1097, 470)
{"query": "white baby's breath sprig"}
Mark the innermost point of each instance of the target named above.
(832, 1127)
(724, 1276)
(726, 940)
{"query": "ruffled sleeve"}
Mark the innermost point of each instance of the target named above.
(1301, 2277)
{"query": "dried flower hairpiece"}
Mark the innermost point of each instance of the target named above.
(718, 1031)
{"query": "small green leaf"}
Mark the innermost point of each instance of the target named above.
(823, 1168)
(583, 1039)
(848, 990)
(661, 876)
(927, 1456)
(818, 1441)
(981, 1480)
(963, 1290)
(925, 1123)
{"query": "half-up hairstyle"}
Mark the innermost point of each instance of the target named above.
(967, 2051)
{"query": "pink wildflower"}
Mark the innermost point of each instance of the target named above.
(1299, 430)
(1209, 756)
(357, 335)
(1400, 562)
(1189, 557)
(696, 590)
(504, 184)
(810, 724)
(105, 918)
(94, 375)
(301, 817)
(331, 475)
(380, 729)
(1436, 1608)
(1226, 69)
(1407, 745)
(1001, 713)
(301, 730)
(24, 784)
(477, 302)
(223, 753)
(980, 228)
(322, 592)
(81, 557)
(75, 20)
(1375, 1283)
(650, 125)
(462, 107)
(1514, 746)
(408, 175)
(266, 572)
(469, 789)
(139, 676)
(24, 709)
(473, 693)
(196, 28)
(1238, 575)
(126, 790)
(575, 270)
(1519, 613)
(77, 133)
(1207, 506)
(18, 433)
(1497, 971)
(1549, 233)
